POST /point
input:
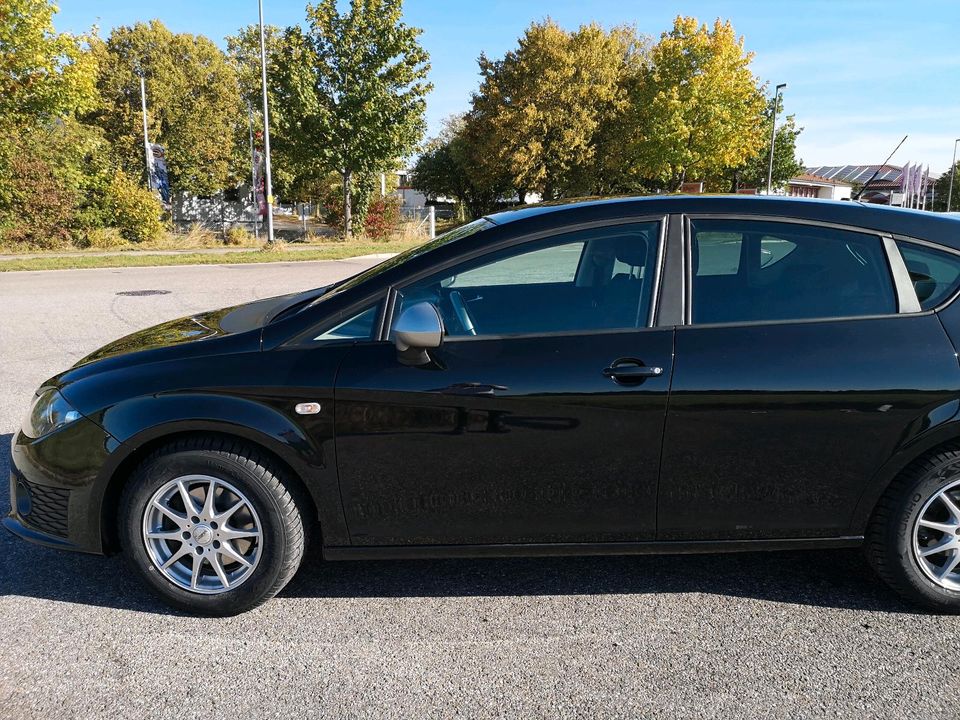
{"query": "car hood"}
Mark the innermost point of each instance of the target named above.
(189, 333)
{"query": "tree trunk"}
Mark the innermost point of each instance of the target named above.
(347, 210)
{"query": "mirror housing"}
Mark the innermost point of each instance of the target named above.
(418, 328)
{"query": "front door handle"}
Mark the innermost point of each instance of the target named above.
(628, 370)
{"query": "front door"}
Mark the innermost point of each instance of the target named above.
(513, 432)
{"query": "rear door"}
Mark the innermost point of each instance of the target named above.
(513, 433)
(800, 369)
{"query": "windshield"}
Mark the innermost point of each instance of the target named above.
(457, 233)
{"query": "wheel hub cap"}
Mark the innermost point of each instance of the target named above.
(202, 533)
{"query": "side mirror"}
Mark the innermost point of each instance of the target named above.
(418, 328)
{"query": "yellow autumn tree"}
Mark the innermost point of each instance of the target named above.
(698, 108)
(543, 103)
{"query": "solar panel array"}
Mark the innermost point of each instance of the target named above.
(857, 173)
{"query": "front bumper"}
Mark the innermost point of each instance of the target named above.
(56, 487)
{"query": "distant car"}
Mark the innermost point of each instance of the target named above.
(658, 375)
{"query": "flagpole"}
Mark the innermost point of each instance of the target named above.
(953, 171)
(266, 129)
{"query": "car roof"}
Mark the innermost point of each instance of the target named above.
(935, 227)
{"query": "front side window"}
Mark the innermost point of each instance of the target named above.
(754, 270)
(597, 279)
(935, 273)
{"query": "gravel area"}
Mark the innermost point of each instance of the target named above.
(731, 636)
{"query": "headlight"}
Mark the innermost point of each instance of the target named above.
(50, 411)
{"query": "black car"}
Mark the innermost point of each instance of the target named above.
(657, 375)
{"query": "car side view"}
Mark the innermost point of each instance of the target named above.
(625, 376)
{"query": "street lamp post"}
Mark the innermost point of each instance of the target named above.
(773, 135)
(266, 129)
(253, 175)
(953, 171)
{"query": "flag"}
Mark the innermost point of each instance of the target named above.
(905, 185)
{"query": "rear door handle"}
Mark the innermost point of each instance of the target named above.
(630, 370)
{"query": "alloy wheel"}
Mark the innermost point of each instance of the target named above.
(203, 534)
(936, 537)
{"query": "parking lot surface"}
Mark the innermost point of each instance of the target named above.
(732, 636)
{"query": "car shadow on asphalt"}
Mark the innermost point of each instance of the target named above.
(831, 579)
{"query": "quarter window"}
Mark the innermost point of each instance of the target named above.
(583, 281)
(358, 327)
(752, 271)
(935, 274)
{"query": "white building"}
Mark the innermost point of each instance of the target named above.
(816, 186)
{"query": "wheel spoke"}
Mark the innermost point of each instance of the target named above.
(942, 527)
(229, 513)
(195, 575)
(938, 548)
(227, 533)
(227, 549)
(950, 564)
(951, 506)
(207, 510)
(218, 568)
(176, 556)
(164, 535)
(179, 519)
(188, 502)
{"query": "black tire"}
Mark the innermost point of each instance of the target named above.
(889, 539)
(282, 527)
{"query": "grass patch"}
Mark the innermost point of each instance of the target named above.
(325, 251)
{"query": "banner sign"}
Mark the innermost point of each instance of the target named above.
(157, 172)
(259, 183)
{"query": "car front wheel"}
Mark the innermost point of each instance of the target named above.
(211, 526)
(913, 541)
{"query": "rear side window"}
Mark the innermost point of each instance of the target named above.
(935, 274)
(754, 270)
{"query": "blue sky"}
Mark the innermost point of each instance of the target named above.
(860, 74)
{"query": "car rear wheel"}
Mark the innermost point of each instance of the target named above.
(211, 526)
(913, 541)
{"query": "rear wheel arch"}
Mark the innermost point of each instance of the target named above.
(121, 473)
(944, 439)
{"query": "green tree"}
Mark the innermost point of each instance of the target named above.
(193, 104)
(546, 101)
(43, 74)
(753, 173)
(46, 78)
(352, 88)
(941, 191)
(453, 165)
(698, 109)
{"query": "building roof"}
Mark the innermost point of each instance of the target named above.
(816, 179)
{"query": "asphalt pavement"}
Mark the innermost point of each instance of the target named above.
(803, 634)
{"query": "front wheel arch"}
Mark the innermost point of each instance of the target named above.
(110, 505)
